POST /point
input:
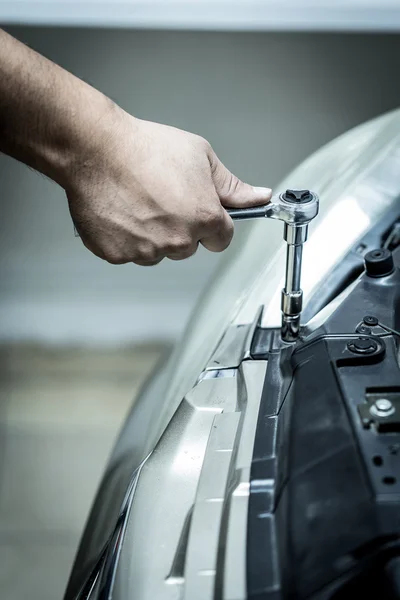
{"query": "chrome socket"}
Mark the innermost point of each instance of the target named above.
(296, 208)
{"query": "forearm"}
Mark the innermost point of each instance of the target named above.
(49, 118)
(137, 191)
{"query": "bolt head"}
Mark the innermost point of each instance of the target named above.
(364, 330)
(297, 196)
(383, 404)
(370, 320)
(363, 346)
(383, 408)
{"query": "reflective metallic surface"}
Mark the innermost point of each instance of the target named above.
(293, 267)
(245, 214)
(234, 345)
(169, 520)
(291, 213)
(192, 491)
(296, 208)
(292, 295)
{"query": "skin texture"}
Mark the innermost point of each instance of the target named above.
(137, 191)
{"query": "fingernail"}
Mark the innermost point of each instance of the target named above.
(263, 192)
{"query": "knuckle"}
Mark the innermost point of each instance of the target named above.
(147, 263)
(226, 238)
(148, 253)
(182, 244)
(113, 256)
(213, 218)
(114, 259)
(182, 254)
(203, 143)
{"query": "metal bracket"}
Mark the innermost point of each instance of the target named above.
(382, 409)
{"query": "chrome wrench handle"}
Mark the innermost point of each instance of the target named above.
(296, 208)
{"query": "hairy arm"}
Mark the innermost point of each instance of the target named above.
(137, 191)
(47, 115)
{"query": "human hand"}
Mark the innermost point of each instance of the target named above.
(145, 191)
(137, 191)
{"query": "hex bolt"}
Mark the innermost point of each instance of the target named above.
(364, 330)
(383, 404)
(382, 407)
(370, 320)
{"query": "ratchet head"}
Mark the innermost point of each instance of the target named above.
(293, 207)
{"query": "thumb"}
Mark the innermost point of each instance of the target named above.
(233, 192)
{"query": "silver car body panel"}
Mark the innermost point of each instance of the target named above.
(205, 450)
(188, 440)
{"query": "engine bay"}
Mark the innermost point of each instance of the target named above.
(324, 506)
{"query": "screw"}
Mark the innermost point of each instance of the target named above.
(382, 407)
(364, 330)
(370, 320)
(383, 404)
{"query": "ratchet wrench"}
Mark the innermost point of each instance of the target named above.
(296, 208)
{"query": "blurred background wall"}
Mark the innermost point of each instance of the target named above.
(265, 101)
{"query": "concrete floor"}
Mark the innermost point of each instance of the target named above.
(60, 411)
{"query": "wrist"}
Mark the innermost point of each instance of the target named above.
(83, 141)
